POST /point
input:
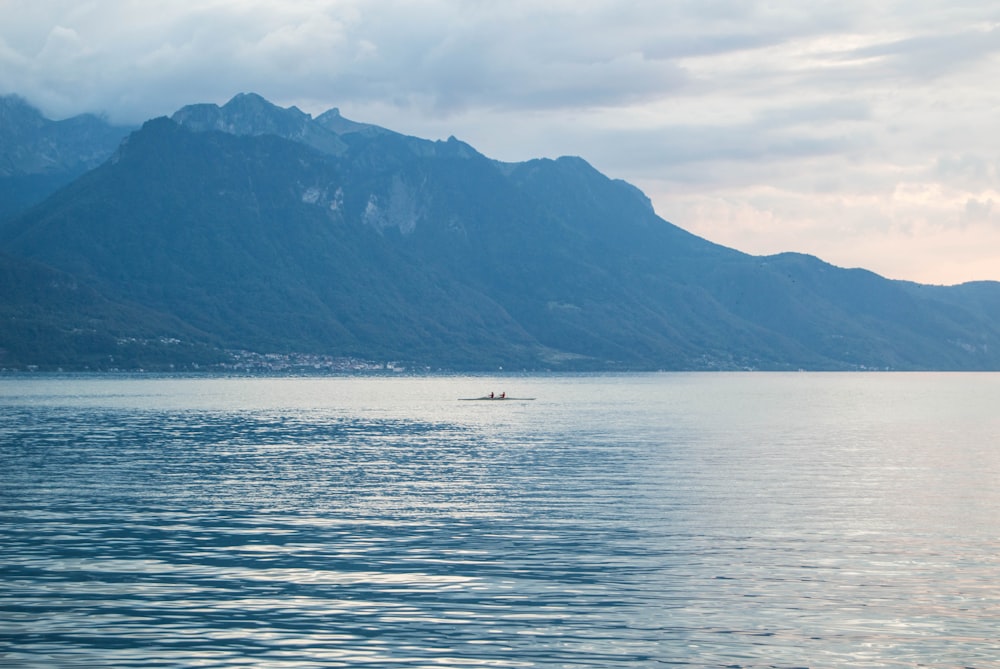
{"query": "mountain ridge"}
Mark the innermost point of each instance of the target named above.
(38, 155)
(262, 229)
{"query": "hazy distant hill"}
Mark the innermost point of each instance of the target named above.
(37, 155)
(252, 227)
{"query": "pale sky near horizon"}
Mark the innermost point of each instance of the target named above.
(860, 131)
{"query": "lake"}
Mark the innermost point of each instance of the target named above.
(648, 520)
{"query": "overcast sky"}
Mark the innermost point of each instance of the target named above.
(865, 132)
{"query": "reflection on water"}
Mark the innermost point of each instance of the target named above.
(701, 520)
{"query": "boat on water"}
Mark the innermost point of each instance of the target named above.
(495, 399)
(491, 398)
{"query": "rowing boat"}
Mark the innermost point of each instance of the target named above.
(487, 398)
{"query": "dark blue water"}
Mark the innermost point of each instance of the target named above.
(746, 520)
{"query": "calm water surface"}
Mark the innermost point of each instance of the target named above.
(706, 520)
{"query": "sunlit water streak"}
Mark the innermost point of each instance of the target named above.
(747, 520)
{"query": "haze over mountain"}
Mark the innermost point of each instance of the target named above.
(249, 227)
(38, 156)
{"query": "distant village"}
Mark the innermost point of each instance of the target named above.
(251, 362)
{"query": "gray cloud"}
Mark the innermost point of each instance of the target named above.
(932, 55)
(881, 106)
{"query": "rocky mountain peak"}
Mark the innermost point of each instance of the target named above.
(333, 120)
(250, 114)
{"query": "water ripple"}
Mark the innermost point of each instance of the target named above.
(291, 537)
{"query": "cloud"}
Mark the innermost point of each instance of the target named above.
(743, 119)
(928, 56)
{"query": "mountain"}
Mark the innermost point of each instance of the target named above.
(53, 320)
(38, 156)
(249, 114)
(249, 227)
